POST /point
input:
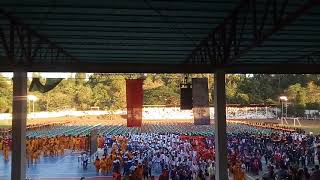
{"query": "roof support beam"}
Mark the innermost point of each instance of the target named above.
(256, 22)
(23, 45)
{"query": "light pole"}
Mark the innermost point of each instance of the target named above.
(29, 106)
(286, 109)
(284, 99)
(33, 99)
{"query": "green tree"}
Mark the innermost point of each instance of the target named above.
(83, 96)
(80, 78)
(101, 96)
(161, 96)
(5, 94)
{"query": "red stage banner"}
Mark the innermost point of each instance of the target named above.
(134, 94)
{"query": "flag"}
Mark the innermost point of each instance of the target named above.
(134, 95)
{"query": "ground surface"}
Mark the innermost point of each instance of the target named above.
(52, 168)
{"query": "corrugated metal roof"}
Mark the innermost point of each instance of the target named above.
(292, 44)
(157, 31)
(123, 30)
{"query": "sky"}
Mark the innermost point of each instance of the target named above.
(45, 75)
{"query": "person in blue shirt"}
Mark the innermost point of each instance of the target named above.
(85, 160)
(126, 166)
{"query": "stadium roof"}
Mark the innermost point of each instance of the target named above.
(160, 35)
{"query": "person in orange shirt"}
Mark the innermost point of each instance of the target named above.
(61, 150)
(130, 155)
(139, 171)
(241, 175)
(78, 143)
(123, 146)
(164, 175)
(33, 157)
(101, 141)
(74, 143)
(109, 163)
(97, 165)
(1, 143)
(86, 143)
(70, 145)
(82, 143)
(103, 166)
(237, 173)
(116, 175)
(6, 148)
(56, 150)
(38, 154)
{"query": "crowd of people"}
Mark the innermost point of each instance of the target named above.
(283, 153)
(251, 149)
(139, 156)
(255, 149)
(54, 146)
(46, 146)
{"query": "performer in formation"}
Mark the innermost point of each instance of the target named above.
(45, 146)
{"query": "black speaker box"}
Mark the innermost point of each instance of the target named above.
(185, 97)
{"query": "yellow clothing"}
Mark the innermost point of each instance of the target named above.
(103, 166)
(97, 165)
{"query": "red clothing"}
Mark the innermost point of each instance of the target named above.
(116, 176)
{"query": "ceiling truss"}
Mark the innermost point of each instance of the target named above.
(23, 46)
(247, 27)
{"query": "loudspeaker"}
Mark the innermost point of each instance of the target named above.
(185, 97)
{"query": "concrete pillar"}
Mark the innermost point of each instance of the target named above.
(220, 126)
(19, 117)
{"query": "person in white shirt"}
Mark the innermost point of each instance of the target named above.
(210, 170)
(85, 160)
(194, 170)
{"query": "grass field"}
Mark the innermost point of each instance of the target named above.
(5, 123)
(307, 125)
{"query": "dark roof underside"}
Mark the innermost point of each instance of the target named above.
(164, 32)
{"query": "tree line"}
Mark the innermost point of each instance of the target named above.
(108, 91)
